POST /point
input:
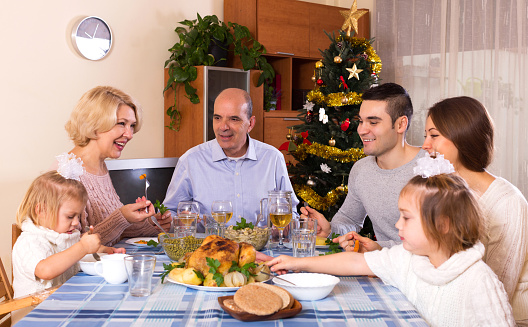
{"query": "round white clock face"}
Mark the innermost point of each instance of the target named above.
(92, 38)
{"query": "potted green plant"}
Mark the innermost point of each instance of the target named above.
(193, 50)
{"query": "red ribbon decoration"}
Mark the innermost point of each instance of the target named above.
(343, 81)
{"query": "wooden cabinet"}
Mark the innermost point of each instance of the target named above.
(193, 131)
(292, 32)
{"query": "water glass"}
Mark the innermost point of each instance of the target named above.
(210, 225)
(140, 268)
(304, 235)
(185, 225)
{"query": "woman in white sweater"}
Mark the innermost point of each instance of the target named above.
(461, 129)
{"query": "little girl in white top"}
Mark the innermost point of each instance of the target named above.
(47, 251)
(439, 265)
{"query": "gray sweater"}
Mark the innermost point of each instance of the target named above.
(374, 192)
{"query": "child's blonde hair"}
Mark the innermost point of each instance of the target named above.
(48, 192)
(449, 211)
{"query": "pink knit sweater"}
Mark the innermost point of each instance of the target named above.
(102, 212)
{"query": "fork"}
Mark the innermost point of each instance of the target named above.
(147, 184)
(275, 276)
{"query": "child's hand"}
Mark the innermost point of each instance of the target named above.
(282, 264)
(90, 242)
(261, 257)
(348, 240)
(112, 250)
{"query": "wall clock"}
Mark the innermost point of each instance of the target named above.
(92, 38)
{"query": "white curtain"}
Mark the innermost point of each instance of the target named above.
(444, 48)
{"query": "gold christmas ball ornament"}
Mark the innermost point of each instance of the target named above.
(314, 78)
(341, 188)
(338, 59)
(332, 142)
(344, 100)
(319, 64)
(288, 136)
(310, 182)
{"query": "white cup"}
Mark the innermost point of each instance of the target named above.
(112, 268)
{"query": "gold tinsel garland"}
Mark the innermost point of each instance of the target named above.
(328, 152)
(334, 99)
(375, 61)
(315, 200)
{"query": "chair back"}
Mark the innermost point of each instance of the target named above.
(15, 233)
(6, 294)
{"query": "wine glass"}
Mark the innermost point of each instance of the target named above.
(222, 211)
(280, 214)
(186, 218)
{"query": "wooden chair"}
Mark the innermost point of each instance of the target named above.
(15, 233)
(9, 303)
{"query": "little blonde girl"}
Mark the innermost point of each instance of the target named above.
(47, 251)
(438, 266)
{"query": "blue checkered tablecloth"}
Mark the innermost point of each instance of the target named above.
(89, 301)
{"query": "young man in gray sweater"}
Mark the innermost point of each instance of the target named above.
(375, 182)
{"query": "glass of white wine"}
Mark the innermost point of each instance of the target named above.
(280, 212)
(222, 211)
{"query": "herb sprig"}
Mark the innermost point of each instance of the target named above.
(214, 264)
(243, 224)
(332, 247)
(245, 268)
(168, 267)
(161, 207)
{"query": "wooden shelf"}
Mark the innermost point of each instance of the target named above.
(292, 32)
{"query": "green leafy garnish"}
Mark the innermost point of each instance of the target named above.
(332, 247)
(214, 264)
(161, 207)
(168, 267)
(243, 224)
(245, 268)
(152, 243)
(199, 274)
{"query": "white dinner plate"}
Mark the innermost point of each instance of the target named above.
(137, 239)
(206, 288)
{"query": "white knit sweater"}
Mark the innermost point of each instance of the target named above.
(463, 291)
(506, 213)
(33, 245)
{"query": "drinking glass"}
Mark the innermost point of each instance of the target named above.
(186, 218)
(280, 212)
(222, 211)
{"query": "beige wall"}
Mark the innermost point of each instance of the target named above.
(42, 78)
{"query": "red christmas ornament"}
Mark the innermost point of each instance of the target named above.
(320, 82)
(345, 124)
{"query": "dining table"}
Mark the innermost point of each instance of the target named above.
(86, 300)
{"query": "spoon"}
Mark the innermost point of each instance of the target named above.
(89, 230)
(287, 281)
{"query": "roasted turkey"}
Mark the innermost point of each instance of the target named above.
(224, 250)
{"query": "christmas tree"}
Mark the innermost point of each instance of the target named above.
(327, 144)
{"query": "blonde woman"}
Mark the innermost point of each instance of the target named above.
(103, 122)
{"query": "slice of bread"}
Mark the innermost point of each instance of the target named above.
(230, 303)
(257, 300)
(287, 298)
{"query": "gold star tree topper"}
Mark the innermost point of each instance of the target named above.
(351, 18)
(354, 72)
